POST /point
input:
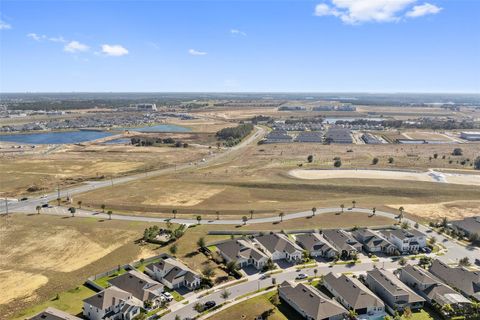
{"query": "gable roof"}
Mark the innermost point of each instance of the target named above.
(111, 296)
(470, 224)
(403, 234)
(139, 285)
(277, 242)
(353, 291)
(53, 314)
(313, 242)
(316, 305)
(466, 281)
(370, 238)
(393, 285)
(238, 249)
(342, 240)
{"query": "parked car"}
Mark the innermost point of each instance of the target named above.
(477, 262)
(265, 276)
(24, 199)
(301, 276)
(209, 305)
(168, 296)
(45, 205)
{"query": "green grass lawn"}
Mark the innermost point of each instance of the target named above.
(141, 267)
(422, 315)
(103, 282)
(176, 296)
(69, 301)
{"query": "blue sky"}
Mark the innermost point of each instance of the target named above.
(289, 46)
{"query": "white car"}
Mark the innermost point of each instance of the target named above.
(168, 296)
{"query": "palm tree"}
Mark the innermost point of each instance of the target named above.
(374, 210)
(352, 314)
(103, 206)
(281, 215)
(342, 206)
(79, 204)
(109, 214)
(231, 267)
(199, 218)
(354, 203)
(313, 211)
(201, 242)
(225, 294)
(174, 211)
(251, 214)
(218, 215)
(58, 201)
(244, 219)
(447, 308)
(38, 208)
(400, 216)
(315, 271)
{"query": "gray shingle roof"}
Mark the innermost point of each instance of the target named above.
(138, 284)
(470, 224)
(353, 291)
(108, 297)
(237, 249)
(313, 242)
(53, 314)
(342, 240)
(466, 281)
(316, 305)
(393, 285)
(278, 242)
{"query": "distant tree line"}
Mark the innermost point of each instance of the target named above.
(149, 141)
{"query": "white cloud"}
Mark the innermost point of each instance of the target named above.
(238, 32)
(114, 50)
(75, 46)
(422, 10)
(194, 52)
(57, 39)
(4, 25)
(359, 11)
(37, 37)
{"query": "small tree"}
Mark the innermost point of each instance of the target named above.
(225, 294)
(342, 206)
(109, 214)
(310, 159)
(464, 262)
(79, 204)
(72, 211)
(354, 203)
(173, 249)
(281, 215)
(337, 163)
(400, 216)
(103, 207)
(457, 152)
(432, 241)
(390, 160)
(402, 261)
(251, 214)
(375, 161)
(374, 210)
(218, 215)
(407, 313)
(313, 211)
(38, 208)
(232, 267)
(201, 242)
(199, 219)
(244, 219)
(174, 211)
(208, 271)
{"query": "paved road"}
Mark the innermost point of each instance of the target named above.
(30, 204)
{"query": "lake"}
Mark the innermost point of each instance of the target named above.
(55, 137)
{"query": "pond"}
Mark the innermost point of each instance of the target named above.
(55, 137)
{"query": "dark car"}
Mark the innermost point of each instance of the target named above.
(24, 199)
(45, 205)
(477, 262)
(209, 305)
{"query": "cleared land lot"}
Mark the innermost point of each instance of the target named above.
(75, 164)
(428, 176)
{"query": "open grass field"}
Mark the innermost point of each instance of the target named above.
(74, 164)
(254, 307)
(258, 180)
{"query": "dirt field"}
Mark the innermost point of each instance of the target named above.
(453, 210)
(44, 255)
(73, 164)
(428, 176)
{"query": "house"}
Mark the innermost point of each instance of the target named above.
(338, 135)
(431, 288)
(310, 136)
(316, 245)
(466, 281)
(373, 242)
(353, 294)
(310, 303)
(111, 303)
(345, 244)
(392, 291)
(279, 246)
(243, 252)
(53, 314)
(469, 226)
(406, 241)
(278, 136)
(140, 286)
(173, 274)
